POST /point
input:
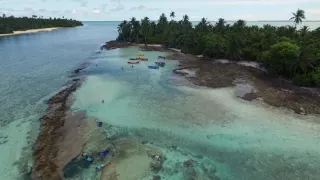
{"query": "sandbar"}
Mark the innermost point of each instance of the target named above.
(30, 31)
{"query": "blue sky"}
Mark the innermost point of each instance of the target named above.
(113, 10)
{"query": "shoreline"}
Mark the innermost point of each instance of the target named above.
(218, 73)
(30, 31)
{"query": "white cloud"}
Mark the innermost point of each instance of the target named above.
(251, 2)
(96, 11)
(141, 7)
(118, 8)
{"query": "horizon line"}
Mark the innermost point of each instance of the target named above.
(209, 20)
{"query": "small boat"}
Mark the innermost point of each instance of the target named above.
(140, 55)
(161, 64)
(161, 57)
(153, 67)
(143, 59)
(136, 62)
(133, 59)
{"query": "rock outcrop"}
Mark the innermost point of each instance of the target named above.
(246, 92)
(114, 45)
(51, 149)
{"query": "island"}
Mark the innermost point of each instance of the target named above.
(278, 65)
(21, 25)
(285, 51)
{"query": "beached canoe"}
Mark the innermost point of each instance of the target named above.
(161, 57)
(153, 67)
(136, 62)
(140, 55)
(133, 59)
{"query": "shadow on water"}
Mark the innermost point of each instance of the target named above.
(75, 167)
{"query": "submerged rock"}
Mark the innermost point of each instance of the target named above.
(156, 165)
(246, 92)
(188, 163)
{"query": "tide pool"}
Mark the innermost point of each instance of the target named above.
(224, 137)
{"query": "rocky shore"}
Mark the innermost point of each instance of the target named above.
(255, 83)
(114, 45)
(250, 81)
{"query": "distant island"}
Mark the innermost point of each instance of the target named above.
(11, 24)
(284, 51)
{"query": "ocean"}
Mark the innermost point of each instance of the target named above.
(226, 138)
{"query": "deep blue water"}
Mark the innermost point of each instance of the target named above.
(34, 66)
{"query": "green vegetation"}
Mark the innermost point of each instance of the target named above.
(11, 23)
(286, 51)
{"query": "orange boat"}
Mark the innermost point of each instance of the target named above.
(131, 62)
(143, 59)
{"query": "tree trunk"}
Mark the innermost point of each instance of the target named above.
(145, 40)
(137, 37)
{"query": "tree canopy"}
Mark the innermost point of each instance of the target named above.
(11, 23)
(286, 51)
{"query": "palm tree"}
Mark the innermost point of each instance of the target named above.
(307, 58)
(304, 30)
(220, 24)
(135, 27)
(234, 47)
(297, 17)
(185, 18)
(145, 27)
(172, 15)
(203, 25)
(162, 24)
(240, 23)
(123, 29)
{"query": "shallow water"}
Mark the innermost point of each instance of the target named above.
(228, 138)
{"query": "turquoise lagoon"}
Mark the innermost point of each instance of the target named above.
(226, 137)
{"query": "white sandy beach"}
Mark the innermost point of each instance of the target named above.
(30, 31)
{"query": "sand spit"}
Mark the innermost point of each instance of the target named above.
(30, 31)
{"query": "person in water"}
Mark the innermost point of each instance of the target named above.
(102, 101)
(101, 166)
(122, 68)
(87, 157)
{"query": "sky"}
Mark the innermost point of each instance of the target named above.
(118, 10)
